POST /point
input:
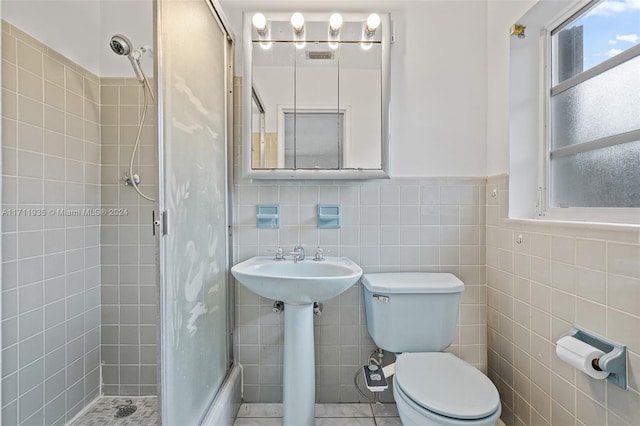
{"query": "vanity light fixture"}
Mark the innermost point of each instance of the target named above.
(373, 22)
(297, 22)
(335, 23)
(369, 30)
(260, 22)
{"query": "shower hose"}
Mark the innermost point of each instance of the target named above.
(146, 88)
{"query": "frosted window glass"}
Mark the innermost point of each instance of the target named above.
(318, 141)
(607, 177)
(194, 325)
(605, 105)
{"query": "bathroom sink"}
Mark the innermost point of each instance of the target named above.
(306, 281)
(298, 285)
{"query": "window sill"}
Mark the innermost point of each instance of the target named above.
(577, 223)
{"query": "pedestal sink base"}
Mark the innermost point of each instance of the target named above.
(298, 285)
(298, 389)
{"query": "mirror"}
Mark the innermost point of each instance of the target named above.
(318, 103)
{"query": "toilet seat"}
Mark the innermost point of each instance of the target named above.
(446, 385)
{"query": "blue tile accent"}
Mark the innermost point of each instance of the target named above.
(329, 216)
(268, 216)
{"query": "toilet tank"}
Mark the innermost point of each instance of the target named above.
(412, 311)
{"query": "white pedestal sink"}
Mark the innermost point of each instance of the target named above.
(298, 285)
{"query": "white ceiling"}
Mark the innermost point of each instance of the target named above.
(81, 30)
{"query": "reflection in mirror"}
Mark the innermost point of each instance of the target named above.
(274, 80)
(361, 94)
(319, 105)
(258, 140)
(313, 139)
(317, 134)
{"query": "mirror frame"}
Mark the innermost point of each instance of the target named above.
(385, 115)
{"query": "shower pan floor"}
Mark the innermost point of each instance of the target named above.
(102, 411)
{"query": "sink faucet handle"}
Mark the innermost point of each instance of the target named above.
(279, 254)
(319, 256)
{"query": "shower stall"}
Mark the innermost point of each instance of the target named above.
(115, 213)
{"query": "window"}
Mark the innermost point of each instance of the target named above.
(313, 138)
(594, 108)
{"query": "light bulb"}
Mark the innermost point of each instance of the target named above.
(373, 22)
(259, 21)
(335, 22)
(297, 22)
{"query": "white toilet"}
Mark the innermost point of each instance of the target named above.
(415, 315)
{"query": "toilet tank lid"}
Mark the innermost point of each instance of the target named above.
(412, 282)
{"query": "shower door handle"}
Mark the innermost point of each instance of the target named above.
(154, 222)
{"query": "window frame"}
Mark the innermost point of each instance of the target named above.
(628, 215)
(344, 110)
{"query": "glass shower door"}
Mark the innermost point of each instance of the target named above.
(193, 180)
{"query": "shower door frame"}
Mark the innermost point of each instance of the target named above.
(162, 224)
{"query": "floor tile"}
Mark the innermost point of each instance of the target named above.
(388, 421)
(260, 410)
(343, 410)
(385, 410)
(257, 421)
(102, 411)
(343, 421)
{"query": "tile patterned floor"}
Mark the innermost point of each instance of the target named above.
(102, 412)
(326, 415)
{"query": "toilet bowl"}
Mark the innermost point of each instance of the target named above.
(415, 315)
(441, 389)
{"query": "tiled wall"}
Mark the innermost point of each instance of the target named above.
(559, 276)
(426, 224)
(128, 256)
(51, 269)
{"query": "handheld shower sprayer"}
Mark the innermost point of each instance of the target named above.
(121, 45)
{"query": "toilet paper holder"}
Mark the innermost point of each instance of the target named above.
(614, 359)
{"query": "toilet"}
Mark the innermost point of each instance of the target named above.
(415, 315)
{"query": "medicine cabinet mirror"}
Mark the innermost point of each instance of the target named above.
(316, 96)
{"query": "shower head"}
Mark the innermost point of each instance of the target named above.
(121, 45)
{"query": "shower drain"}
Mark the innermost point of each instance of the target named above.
(125, 410)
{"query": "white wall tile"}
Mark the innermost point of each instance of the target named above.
(383, 230)
(597, 294)
(591, 254)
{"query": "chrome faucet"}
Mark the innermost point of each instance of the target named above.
(297, 253)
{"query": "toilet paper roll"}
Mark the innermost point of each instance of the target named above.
(579, 354)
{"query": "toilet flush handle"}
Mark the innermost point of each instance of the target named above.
(381, 298)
